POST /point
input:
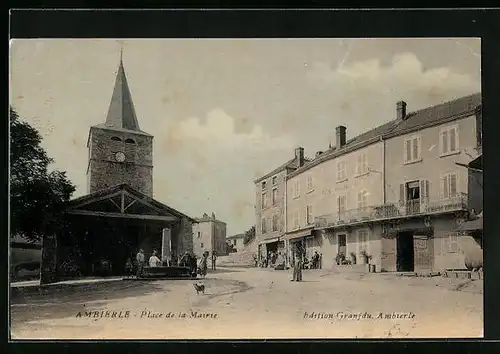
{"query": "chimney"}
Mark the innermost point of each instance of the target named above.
(299, 155)
(318, 153)
(340, 136)
(213, 216)
(401, 110)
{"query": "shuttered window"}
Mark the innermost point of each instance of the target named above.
(275, 222)
(362, 199)
(362, 164)
(341, 171)
(341, 203)
(309, 183)
(424, 190)
(309, 215)
(449, 188)
(412, 149)
(449, 242)
(448, 140)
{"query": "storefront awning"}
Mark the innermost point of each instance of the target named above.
(298, 234)
(471, 225)
(270, 240)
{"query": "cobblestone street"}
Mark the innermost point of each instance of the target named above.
(259, 303)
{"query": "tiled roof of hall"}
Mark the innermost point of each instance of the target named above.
(417, 120)
(289, 164)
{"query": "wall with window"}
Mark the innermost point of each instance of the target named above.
(203, 237)
(447, 251)
(356, 240)
(428, 158)
(351, 181)
(269, 207)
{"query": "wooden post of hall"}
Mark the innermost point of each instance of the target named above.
(48, 266)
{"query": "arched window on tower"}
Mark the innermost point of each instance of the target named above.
(131, 149)
(115, 138)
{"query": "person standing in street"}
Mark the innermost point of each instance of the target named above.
(297, 265)
(154, 261)
(214, 260)
(140, 262)
(202, 268)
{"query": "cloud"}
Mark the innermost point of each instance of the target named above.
(218, 131)
(405, 74)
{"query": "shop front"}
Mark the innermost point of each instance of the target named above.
(296, 244)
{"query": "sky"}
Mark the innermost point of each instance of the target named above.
(224, 112)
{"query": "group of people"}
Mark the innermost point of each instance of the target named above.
(274, 260)
(140, 258)
(188, 260)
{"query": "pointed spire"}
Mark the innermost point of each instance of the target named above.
(121, 113)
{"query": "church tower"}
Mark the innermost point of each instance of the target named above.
(118, 151)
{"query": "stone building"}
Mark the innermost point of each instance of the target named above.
(392, 196)
(119, 215)
(209, 234)
(270, 206)
(236, 241)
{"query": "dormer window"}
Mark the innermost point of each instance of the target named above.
(130, 141)
(115, 138)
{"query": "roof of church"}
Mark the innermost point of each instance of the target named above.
(121, 112)
(133, 191)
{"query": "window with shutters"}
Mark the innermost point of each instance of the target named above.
(341, 207)
(449, 186)
(275, 196)
(264, 200)
(309, 215)
(275, 180)
(448, 140)
(361, 164)
(275, 222)
(412, 149)
(424, 191)
(263, 226)
(362, 199)
(310, 183)
(296, 188)
(264, 185)
(341, 171)
(449, 242)
(363, 239)
(296, 220)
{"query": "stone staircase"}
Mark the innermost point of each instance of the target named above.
(238, 259)
(242, 259)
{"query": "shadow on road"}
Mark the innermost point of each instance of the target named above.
(67, 302)
(90, 292)
(224, 270)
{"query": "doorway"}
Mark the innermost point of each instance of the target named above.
(342, 244)
(405, 252)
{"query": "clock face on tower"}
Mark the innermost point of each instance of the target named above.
(120, 156)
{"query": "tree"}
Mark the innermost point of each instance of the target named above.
(37, 197)
(249, 235)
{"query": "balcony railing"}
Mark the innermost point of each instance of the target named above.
(392, 210)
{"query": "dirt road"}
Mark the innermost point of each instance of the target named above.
(258, 303)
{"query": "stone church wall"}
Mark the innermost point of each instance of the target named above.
(104, 171)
